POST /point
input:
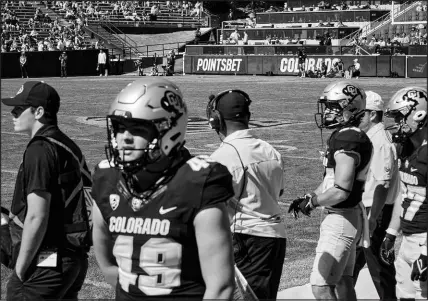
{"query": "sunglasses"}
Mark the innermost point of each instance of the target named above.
(18, 110)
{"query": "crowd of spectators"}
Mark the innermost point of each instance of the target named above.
(323, 5)
(137, 11)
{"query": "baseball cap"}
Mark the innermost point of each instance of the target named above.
(374, 101)
(36, 94)
(233, 105)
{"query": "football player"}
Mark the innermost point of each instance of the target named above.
(346, 163)
(408, 107)
(161, 229)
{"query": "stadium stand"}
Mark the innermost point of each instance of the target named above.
(37, 30)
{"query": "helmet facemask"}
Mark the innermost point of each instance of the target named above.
(337, 113)
(403, 130)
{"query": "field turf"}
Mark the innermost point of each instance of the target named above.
(282, 114)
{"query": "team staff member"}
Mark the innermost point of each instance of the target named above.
(63, 59)
(381, 190)
(408, 107)
(23, 62)
(161, 230)
(302, 62)
(258, 182)
(38, 205)
(346, 162)
(102, 61)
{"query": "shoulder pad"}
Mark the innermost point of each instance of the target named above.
(349, 139)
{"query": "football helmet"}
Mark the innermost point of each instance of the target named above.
(341, 104)
(408, 107)
(152, 102)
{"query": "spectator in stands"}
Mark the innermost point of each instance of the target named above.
(234, 37)
(382, 42)
(197, 10)
(285, 8)
(405, 41)
(185, 8)
(231, 15)
(271, 9)
(251, 21)
(245, 38)
(102, 60)
(23, 63)
(154, 12)
(320, 24)
(63, 61)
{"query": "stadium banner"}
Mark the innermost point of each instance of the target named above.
(371, 66)
(289, 65)
(417, 66)
(219, 64)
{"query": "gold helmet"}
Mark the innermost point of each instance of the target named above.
(153, 102)
(341, 104)
(408, 107)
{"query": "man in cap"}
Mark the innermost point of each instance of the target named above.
(381, 189)
(257, 169)
(47, 259)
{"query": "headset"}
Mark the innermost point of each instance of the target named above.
(215, 118)
(216, 122)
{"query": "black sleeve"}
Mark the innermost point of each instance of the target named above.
(40, 167)
(218, 187)
(87, 181)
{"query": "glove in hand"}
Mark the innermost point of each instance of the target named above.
(300, 204)
(387, 252)
(419, 269)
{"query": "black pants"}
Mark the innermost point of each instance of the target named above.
(24, 72)
(102, 68)
(260, 261)
(63, 71)
(383, 276)
(61, 282)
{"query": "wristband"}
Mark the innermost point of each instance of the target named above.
(390, 237)
(314, 200)
(392, 231)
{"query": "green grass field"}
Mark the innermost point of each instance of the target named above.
(282, 114)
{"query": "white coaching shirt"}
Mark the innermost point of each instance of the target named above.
(257, 212)
(383, 166)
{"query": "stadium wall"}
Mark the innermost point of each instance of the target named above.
(47, 64)
(371, 66)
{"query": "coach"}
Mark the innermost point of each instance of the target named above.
(46, 264)
(257, 228)
(381, 190)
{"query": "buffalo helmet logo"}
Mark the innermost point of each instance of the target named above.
(415, 96)
(352, 91)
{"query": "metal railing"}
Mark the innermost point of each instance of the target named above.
(380, 22)
(115, 30)
(309, 49)
(161, 50)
